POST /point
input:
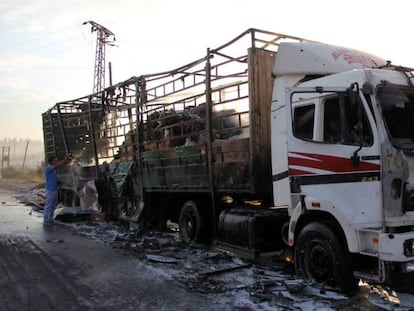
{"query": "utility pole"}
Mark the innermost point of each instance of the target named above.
(25, 154)
(104, 37)
(5, 158)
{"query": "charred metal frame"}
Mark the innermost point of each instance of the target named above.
(187, 129)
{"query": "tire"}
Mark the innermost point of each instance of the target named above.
(190, 223)
(320, 257)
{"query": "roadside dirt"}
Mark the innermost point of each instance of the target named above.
(17, 184)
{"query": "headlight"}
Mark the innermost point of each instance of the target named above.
(396, 188)
(409, 248)
(409, 267)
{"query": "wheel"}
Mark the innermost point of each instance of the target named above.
(190, 223)
(319, 256)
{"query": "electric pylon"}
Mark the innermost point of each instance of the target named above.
(104, 37)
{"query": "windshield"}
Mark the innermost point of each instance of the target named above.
(397, 104)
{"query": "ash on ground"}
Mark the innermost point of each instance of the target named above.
(266, 284)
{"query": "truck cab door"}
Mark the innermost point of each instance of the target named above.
(333, 151)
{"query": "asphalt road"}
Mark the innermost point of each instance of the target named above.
(82, 266)
(54, 268)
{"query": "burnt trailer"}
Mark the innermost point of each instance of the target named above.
(190, 145)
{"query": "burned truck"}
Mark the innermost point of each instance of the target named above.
(181, 146)
(267, 142)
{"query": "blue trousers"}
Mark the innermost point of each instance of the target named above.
(50, 205)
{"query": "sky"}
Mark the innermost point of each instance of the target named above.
(47, 54)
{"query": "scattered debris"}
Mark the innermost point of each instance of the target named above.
(33, 197)
(54, 241)
(69, 213)
(267, 285)
(162, 259)
(295, 286)
(207, 273)
(203, 269)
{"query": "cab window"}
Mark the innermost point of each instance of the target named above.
(303, 121)
(337, 122)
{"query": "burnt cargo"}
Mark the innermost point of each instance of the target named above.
(203, 128)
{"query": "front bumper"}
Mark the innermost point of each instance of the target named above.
(396, 247)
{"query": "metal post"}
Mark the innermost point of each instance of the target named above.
(92, 133)
(209, 125)
(62, 130)
(110, 73)
(140, 98)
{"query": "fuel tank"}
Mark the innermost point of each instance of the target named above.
(256, 230)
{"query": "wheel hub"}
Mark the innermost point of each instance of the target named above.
(320, 263)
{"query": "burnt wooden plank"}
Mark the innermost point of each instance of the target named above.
(260, 94)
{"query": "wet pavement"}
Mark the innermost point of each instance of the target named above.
(54, 268)
(85, 265)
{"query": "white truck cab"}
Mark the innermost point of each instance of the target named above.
(343, 161)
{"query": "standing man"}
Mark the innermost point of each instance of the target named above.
(52, 188)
